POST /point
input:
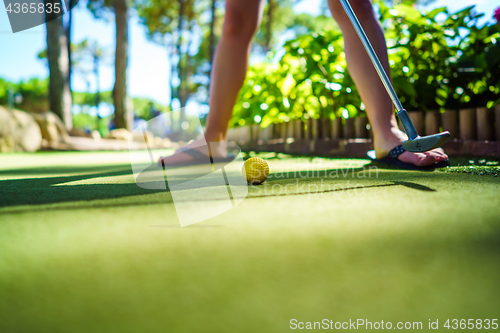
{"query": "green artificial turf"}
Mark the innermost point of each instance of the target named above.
(84, 249)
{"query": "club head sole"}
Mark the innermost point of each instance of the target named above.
(425, 143)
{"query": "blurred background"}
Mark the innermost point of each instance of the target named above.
(109, 65)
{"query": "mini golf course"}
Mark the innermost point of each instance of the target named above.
(84, 249)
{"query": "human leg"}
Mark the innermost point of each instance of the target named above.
(241, 21)
(379, 107)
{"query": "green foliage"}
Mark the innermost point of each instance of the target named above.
(278, 16)
(445, 63)
(438, 60)
(309, 81)
(86, 98)
(90, 123)
(34, 94)
(305, 23)
(5, 86)
(144, 107)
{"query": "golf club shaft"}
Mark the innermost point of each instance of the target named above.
(371, 53)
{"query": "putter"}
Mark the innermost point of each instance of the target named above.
(416, 143)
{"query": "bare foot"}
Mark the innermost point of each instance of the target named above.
(214, 150)
(395, 138)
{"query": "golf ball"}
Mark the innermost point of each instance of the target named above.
(255, 170)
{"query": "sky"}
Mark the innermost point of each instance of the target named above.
(148, 61)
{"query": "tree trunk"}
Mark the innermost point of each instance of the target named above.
(270, 11)
(59, 93)
(211, 46)
(68, 39)
(170, 54)
(180, 67)
(98, 90)
(121, 59)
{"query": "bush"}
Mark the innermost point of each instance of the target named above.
(33, 92)
(438, 60)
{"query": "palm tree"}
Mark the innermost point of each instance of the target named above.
(123, 116)
(57, 55)
(121, 59)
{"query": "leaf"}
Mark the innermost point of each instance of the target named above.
(433, 13)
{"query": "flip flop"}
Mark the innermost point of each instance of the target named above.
(392, 159)
(198, 158)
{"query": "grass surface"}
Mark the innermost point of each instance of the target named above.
(84, 249)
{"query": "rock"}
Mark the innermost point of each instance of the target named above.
(52, 127)
(139, 137)
(79, 132)
(167, 143)
(119, 134)
(96, 135)
(19, 131)
(7, 143)
(27, 134)
(158, 142)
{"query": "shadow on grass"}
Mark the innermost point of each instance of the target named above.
(42, 190)
(58, 170)
(35, 191)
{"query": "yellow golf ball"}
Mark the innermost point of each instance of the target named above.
(255, 170)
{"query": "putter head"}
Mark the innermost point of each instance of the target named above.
(425, 143)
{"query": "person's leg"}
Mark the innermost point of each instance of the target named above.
(241, 21)
(379, 107)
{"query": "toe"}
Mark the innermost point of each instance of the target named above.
(418, 159)
(425, 159)
(438, 154)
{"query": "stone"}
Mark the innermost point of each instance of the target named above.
(19, 132)
(7, 143)
(119, 134)
(77, 131)
(167, 143)
(158, 142)
(139, 137)
(52, 128)
(96, 135)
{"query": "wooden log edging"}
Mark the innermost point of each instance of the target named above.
(357, 148)
(472, 132)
